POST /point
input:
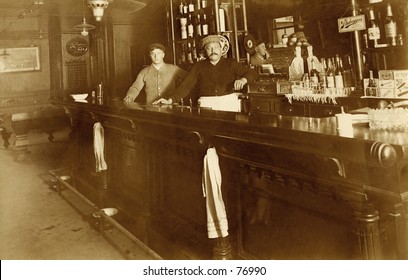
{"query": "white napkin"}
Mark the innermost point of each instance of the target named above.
(99, 143)
(229, 102)
(217, 223)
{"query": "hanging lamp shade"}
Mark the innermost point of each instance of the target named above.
(98, 7)
(84, 27)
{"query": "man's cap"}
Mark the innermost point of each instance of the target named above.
(259, 41)
(156, 46)
(210, 39)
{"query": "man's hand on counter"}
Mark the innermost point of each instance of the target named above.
(128, 99)
(163, 101)
(239, 84)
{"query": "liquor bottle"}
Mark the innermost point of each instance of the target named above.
(189, 53)
(181, 7)
(190, 27)
(296, 68)
(371, 89)
(390, 27)
(374, 34)
(330, 74)
(183, 27)
(198, 5)
(205, 25)
(191, 6)
(183, 54)
(306, 80)
(221, 15)
(339, 73)
(194, 51)
(348, 76)
(314, 74)
(203, 4)
(185, 8)
(322, 73)
(198, 26)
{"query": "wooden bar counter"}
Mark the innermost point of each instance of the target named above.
(293, 187)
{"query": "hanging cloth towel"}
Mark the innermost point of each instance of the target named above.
(217, 223)
(98, 135)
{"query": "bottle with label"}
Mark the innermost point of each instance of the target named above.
(390, 27)
(205, 25)
(330, 74)
(348, 74)
(314, 74)
(306, 80)
(194, 51)
(310, 57)
(183, 27)
(189, 53)
(296, 68)
(203, 4)
(190, 27)
(191, 7)
(221, 15)
(185, 8)
(339, 73)
(181, 7)
(322, 73)
(373, 31)
(371, 89)
(198, 26)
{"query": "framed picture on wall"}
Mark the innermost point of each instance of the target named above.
(22, 59)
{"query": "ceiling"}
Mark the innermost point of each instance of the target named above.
(67, 8)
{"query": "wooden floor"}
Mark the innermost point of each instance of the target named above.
(39, 224)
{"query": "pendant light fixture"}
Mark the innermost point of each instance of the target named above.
(98, 7)
(84, 27)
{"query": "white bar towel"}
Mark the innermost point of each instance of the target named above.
(99, 143)
(229, 102)
(217, 223)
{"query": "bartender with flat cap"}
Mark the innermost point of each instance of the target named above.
(215, 76)
(158, 79)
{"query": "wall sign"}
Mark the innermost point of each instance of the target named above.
(20, 59)
(349, 24)
(77, 46)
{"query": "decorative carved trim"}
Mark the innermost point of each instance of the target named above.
(384, 154)
(133, 124)
(341, 167)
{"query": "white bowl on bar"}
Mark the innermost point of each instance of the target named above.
(79, 96)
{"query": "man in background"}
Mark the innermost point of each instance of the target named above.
(261, 55)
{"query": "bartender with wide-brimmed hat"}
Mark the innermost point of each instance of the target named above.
(215, 76)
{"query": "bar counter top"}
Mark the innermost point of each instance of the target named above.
(252, 126)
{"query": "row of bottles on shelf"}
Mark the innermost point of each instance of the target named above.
(186, 7)
(190, 53)
(382, 33)
(196, 26)
(198, 20)
(331, 72)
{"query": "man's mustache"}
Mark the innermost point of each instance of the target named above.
(214, 53)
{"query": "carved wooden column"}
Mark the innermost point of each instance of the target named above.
(401, 227)
(367, 233)
(56, 76)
